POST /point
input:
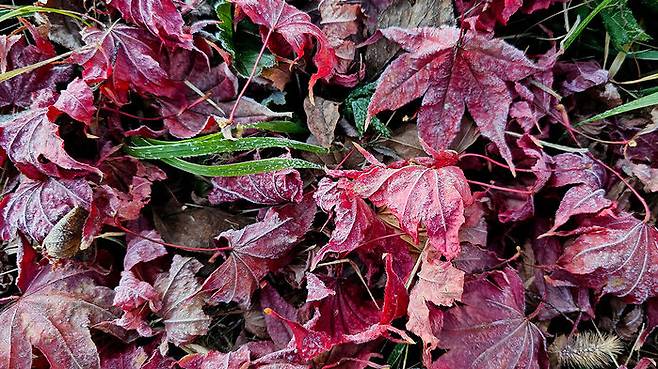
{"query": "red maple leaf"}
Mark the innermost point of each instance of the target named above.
(616, 254)
(160, 17)
(255, 250)
(54, 315)
(36, 206)
(421, 192)
(484, 15)
(77, 101)
(451, 73)
(32, 142)
(293, 28)
(490, 329)
(128, 58)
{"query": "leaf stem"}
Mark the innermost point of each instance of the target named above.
(181, 247)
(499, 188)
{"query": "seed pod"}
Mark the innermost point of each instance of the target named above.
(63, 241)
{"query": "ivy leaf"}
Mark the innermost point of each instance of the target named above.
(356, 107)
(452, 73)
(622, 26)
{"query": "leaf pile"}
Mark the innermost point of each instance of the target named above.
(247, 184)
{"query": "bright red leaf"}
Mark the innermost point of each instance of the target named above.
(294, 27)
(451, 73)
(77, 101)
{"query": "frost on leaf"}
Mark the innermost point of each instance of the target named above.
(126, 58)
(428, 195)
(616, 254)
(36, 206)
(54, 315)
(452, 73)
(32, 142)
(160, 17)
(490, 329)
(293, 29)
(264, 188)
(255, 250)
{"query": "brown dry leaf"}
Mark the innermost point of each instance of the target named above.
(406, 14)
(64, 239)
(322, 119)
(193, 226)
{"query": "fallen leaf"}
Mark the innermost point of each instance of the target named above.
(321, 117)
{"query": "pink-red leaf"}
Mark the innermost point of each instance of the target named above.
(255, 250)
(77, 101)
(32, 142)
(421, 194)
(160, 17)
(490, 329)
(451, 73)
(128, 58)
(265, 188)
(295, 27)
(616, 255)
(36, 206)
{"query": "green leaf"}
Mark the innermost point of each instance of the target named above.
(356, 108)
(210, 144)
(576, 31)
(622, 26)
(225, 35)
(640, 103)
(278, 126)
(247, 48)
(240, 169)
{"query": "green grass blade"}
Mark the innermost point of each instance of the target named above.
(640, 103)
(211, 144)
(575, 33)
(278, 126)
(22, 11)
(28, 68)
(240, 169)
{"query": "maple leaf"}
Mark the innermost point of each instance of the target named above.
(296, 29)
(128, 57)
(31, 141)
(217, 360)
(160, 17)
(36, 206)
(356, 223)
(421, 193)
(189, 114)
(54, 315)
(77, 101)
(588, 197)
(181, 311)
(484, 15)
(255, 250)
(264, 188)
(438, 283)
(452, 73)
(490, 329)
(15, 53)
(616, 254)
(142, 249)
